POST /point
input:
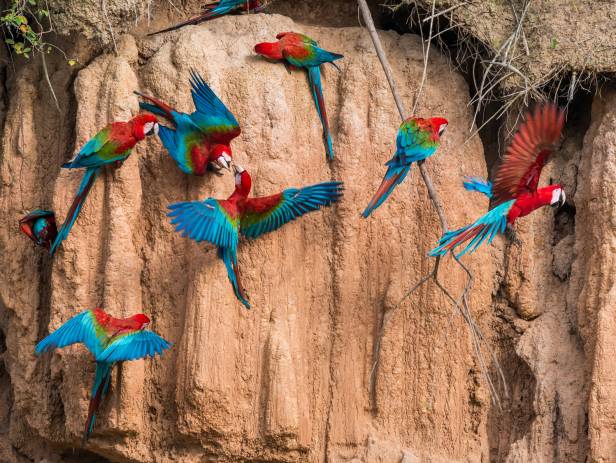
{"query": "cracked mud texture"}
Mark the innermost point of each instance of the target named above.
(289, 380)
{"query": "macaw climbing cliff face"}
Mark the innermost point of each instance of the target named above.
(289, 380)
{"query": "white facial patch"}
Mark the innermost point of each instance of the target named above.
(556, 196)
(441, 129)
(147, 128)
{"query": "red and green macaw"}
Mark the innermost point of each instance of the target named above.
(300, 51)
(110, 340)
(515, 191)
(220, 222)
(417, 140)
(201, 140)
(216, 9)
(40, 227)
(112, 145)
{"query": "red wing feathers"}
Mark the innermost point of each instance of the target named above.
(262, 205)
(528, 152)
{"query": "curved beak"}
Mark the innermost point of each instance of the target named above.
(562, 199)
(222, 163)
(156, 128)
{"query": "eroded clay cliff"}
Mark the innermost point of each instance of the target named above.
(290, 380)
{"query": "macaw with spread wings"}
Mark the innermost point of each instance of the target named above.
(110, 340)
(220, 222)
(199, 141)
(514, 191)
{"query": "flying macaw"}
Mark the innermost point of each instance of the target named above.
(300, 51)
(40, 227)
(112, 145)
(110, 340)
(515, 191)
(219, 8)
(201, 140)
(220, 222)
(417, 140)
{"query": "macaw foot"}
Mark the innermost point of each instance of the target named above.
(512, 236)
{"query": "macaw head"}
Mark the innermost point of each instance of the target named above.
(439, 124)
(243, 182)
(40, 227)
(141, 320)
(557, 195)
(144, 125)
(221, 156)
(271, 50)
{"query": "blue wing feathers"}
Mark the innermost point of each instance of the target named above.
(80, 328)
(132, 346)
(207, 102)
(204, 221)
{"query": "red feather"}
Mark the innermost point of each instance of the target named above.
(528, 152)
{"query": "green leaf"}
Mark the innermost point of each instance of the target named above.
(9, 41)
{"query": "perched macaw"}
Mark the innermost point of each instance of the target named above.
(220, 222)
(219, 8)
(110, 340)
(112, 145)
(417, 140)
(40, 227)
(515, 191)
(201, 140)
(300, 51)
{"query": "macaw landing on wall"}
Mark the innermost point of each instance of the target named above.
(112, 145)
(199, 141)
(110, 340)
(220, 222)
(515, 189)
(300, 51)
(417, 140)
(219, 8)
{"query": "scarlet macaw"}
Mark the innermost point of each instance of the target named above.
(40, 227)
(417, 140)
(300, 51)
(110, 340)
(201, 140)
(219, 8)
(515, 191)
(221, 221)
(112, 145)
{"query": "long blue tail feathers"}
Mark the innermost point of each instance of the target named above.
(316, 87)
(100, 388)
(230, 260)
(478, 184)
(82, 193)
(394, 176)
